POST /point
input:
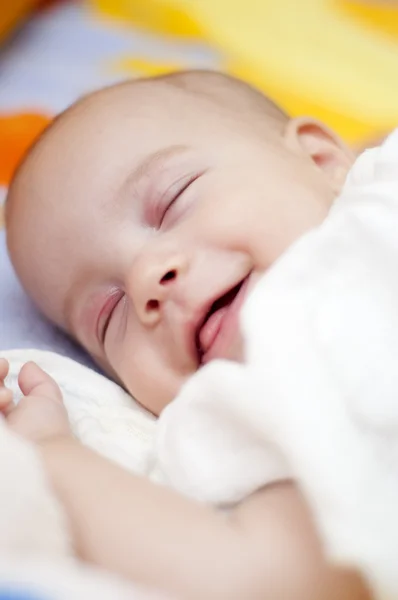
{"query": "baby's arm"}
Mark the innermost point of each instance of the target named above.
(265, 548)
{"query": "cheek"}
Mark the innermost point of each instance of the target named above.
(144, 374)
(261, 219)
(242, 219)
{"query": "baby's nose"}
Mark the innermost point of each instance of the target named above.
(151, 284)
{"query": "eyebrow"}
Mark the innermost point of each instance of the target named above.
(151, 164)
(147, 167)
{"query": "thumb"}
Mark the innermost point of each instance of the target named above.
(33, 381)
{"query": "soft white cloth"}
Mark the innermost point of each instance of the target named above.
(36, 554)
(317, 397)
(102, 415)
(31, 521)
(54, 579)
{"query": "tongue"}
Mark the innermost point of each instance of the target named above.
(210, 329)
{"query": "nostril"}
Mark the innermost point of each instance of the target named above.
(169, 276)
(152, 305)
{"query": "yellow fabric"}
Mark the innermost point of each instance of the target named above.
(334, 59)
(158, 15)
(145, 66)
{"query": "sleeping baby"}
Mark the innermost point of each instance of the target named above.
(140, 223)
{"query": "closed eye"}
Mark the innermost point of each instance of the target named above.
(174, 194)
(106, 314)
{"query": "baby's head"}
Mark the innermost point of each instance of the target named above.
(146, 212)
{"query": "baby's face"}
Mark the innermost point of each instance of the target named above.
(143, 221)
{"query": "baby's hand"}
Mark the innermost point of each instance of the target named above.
(40, 414)
(6, 400)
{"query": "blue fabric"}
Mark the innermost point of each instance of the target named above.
(10, 594)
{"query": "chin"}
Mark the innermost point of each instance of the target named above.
(236, 351)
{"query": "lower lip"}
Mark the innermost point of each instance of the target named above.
(226, 326)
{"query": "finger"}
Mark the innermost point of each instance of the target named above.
(33, 381)
(4, 368)
(6, 401)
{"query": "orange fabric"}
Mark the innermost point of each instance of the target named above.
(17, 133)
(11, 11)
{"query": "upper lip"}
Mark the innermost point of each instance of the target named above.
(194, 325)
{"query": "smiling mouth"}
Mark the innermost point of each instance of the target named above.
(209, 327)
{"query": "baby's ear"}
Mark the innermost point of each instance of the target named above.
(322, 146)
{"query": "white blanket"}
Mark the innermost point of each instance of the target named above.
(36, 554)
(317, 397)
(102, 415)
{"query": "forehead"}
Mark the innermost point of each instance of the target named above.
(123, 125)
(95, 145)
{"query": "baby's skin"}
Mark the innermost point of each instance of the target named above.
(139, 223)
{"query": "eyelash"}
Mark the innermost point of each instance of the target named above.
(185, 184)
(118, 296)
